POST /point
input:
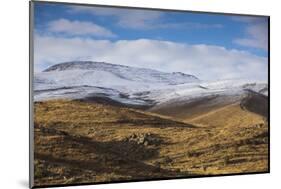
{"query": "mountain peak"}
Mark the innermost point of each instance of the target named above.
(76, 65)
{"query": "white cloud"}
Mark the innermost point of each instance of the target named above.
(74, 28)
(140, 19)
(134, 19)
(246, 19)
(258, 37)
(256, 31)
(203, 61)
(183, 25)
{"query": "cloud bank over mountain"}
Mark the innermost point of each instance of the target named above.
(204, 61)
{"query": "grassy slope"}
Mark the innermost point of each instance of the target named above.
(196, 107)
(77, 142)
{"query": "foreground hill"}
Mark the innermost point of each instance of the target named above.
(81, 142)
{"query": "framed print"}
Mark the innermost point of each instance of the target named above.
(122, 94)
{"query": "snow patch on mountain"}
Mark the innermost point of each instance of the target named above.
(130, 85)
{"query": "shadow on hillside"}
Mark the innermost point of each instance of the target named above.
(256, 103)
(82, 154)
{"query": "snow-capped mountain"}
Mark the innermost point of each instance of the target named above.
(130, 85)
(93, 71)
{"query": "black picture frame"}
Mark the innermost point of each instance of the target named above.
(31, 108)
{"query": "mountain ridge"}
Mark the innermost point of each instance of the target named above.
(95, 64)
(131, 85)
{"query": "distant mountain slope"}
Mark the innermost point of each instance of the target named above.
(188, 109)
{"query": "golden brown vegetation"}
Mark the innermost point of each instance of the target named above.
(80, 142)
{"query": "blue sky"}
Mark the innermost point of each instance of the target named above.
(162, 31)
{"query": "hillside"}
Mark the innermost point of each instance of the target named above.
(81, 142)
